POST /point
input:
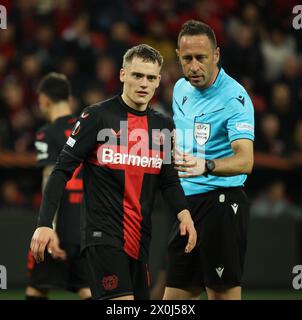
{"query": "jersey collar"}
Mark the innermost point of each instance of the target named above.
(131, 110)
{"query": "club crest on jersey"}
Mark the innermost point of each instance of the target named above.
(202, 132)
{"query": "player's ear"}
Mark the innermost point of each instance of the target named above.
(44, 101)
(177, 53)
(158, 80)
(122, 75)
(216, 55)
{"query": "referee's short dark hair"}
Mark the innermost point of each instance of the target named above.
(55, 86)
(145, 52)
(196, 28)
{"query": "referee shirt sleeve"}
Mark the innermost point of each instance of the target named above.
(240, 124)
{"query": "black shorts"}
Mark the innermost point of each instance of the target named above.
(112, 273)
(217, 261)
(70, 274)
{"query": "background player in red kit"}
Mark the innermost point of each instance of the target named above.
(65, 268)
(123, 165)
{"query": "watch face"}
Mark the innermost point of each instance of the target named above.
(210, 165)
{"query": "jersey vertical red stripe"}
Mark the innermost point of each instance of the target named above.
(133, 186)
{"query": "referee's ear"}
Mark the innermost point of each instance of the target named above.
(217, 55)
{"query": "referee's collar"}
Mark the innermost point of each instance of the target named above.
(217, 81)
(218, 77)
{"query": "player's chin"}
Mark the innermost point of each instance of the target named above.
(143, 99)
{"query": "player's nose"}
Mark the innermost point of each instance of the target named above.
(144, 82)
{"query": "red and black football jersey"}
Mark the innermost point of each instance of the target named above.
(122, 169)
(50, 141)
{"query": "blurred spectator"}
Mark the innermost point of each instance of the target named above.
(209, 12)
(259, 101)
(29, 76)
(242, 56)
(20, 120)
(77, 43)
(64, 13)
(275, 49)
(26, 19)
(282, 106)
(106, 75)
(273, 203)
(157, 38)
(292, 76)
(8, 42)
(268, 138)
(121, 39)
(92, 95)
(296, 149)
(68, 65)
(11, 195)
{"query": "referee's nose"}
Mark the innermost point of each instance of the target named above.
(194, 66)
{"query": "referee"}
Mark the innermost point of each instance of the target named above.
(214, 121)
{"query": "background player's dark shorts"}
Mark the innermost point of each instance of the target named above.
(113, 274)
(217, 261)
(51, 274)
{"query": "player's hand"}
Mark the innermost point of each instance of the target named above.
(56, 252)
(186, 227)
(44, 237)
(187, 165)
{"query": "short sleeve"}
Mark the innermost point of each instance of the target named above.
(240, 123)
(83, 137)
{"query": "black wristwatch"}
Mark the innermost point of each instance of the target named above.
(210, 166)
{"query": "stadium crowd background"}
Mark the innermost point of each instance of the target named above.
(86, 41)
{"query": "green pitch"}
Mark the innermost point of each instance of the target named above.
(247, 295)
